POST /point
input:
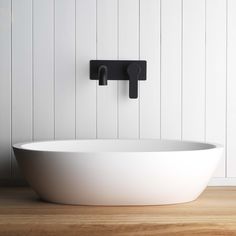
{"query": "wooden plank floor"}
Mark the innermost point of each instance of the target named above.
(23, 214)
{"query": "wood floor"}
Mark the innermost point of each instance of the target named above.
(23, 214)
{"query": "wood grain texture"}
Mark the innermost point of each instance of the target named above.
(22, 213)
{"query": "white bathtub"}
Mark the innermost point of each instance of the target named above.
(118, 172)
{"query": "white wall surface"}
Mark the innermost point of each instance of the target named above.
(190, 92)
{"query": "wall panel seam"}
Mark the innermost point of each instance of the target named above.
(54, 73)
(205, 74)
(139, 95)
(182, 64)
(75, 72)
(160, 89)
(32, 70)
(226, 91)
(11, 152)
(118, 56)
(96, 59)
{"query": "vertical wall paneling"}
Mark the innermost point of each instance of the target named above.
(216, 74)
(128, 112)
(65, 69)
(43, 69)
(193, 70)
(85, 51)
(46, 93)
(171, 21)
(231, 89)
(107, 49)
(150, 51)
(5, 88)
(21, 73)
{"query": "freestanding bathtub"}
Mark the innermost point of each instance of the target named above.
(118, 172)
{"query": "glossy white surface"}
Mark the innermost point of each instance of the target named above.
(118, 172)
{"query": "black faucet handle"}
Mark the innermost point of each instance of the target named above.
(133, 71)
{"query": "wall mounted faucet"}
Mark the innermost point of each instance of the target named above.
(102, 75)
(119, 70)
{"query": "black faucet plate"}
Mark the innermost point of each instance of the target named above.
(118, 70)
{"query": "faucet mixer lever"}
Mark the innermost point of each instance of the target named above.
(133, 71)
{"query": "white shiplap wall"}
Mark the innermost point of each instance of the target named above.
(45, 91)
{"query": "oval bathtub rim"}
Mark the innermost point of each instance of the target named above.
(216, 146)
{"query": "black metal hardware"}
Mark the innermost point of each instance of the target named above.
(133, 71)
(102, 75)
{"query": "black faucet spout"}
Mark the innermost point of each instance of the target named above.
(102, 75)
